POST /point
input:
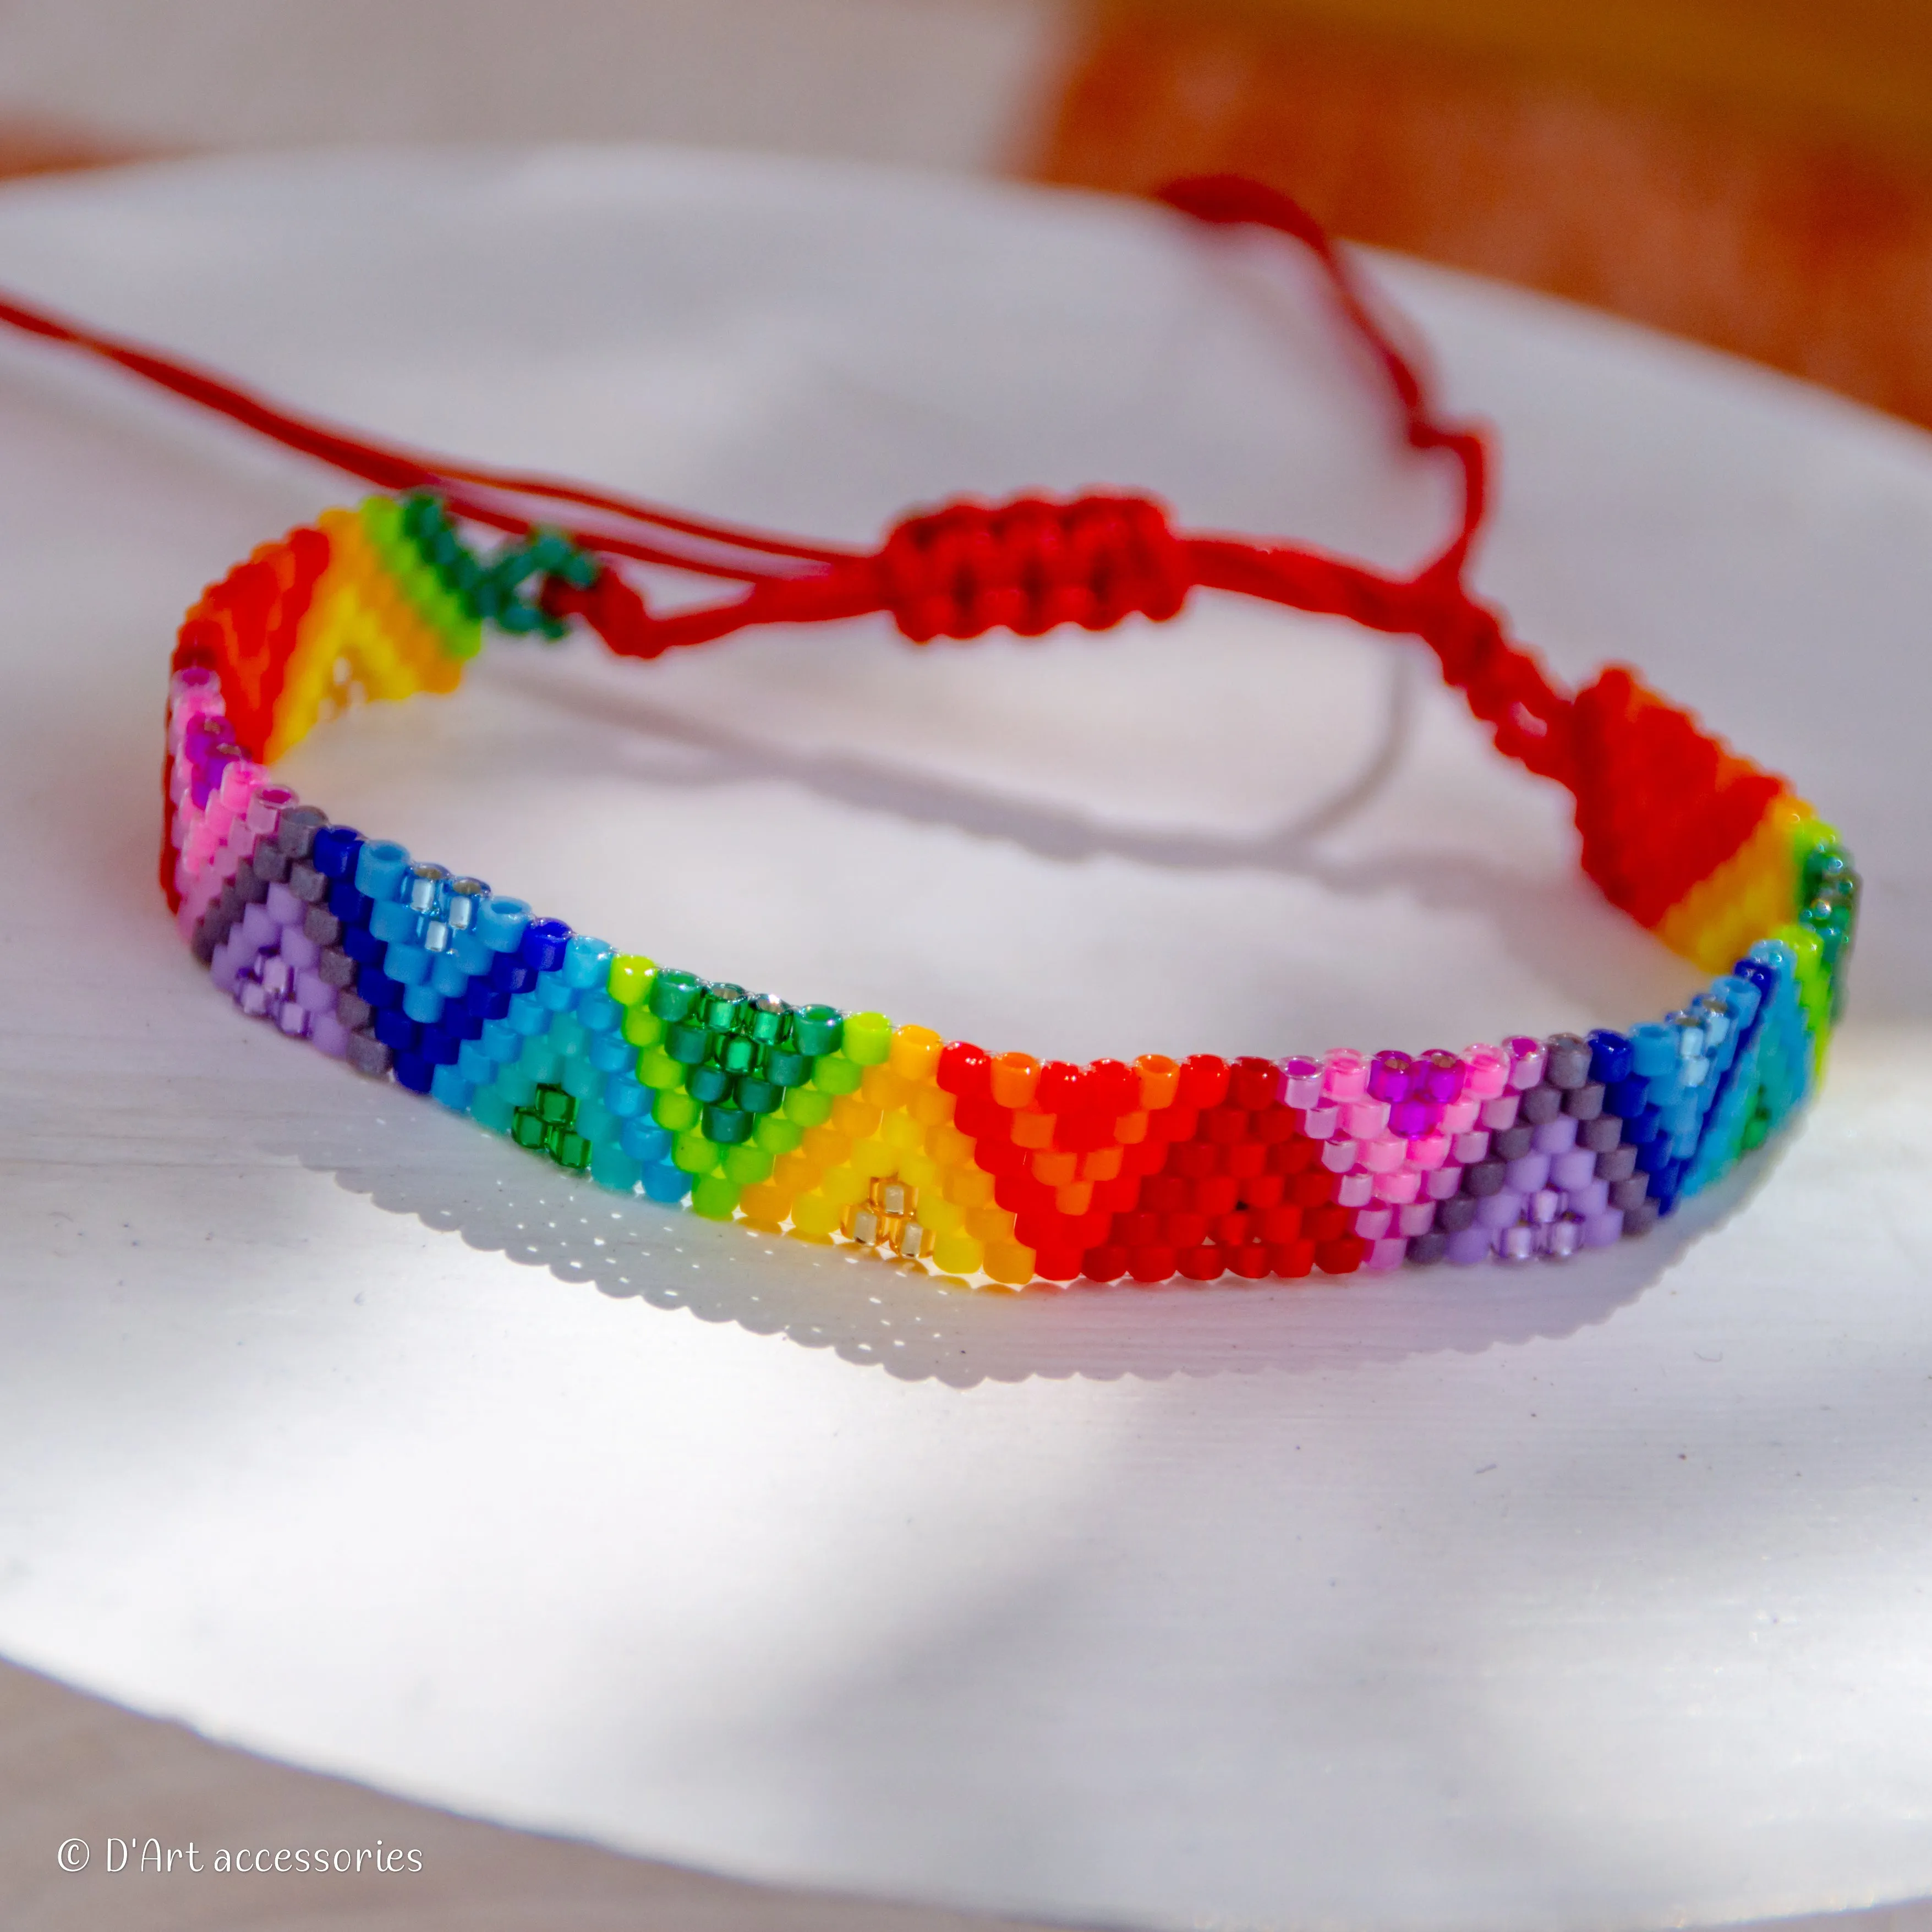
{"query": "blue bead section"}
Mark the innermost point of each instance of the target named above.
(587, 963)
(414, 1072)
(643, 1139)
(448, 1085)
(666, 1183)
(335, 849)
(423, 1003)
(501, 923)
(380, 867)
(545, 942)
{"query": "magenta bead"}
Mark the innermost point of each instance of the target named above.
(1440, 1075)
(1391, 1076)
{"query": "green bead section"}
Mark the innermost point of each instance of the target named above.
(385, 524)
(868, 1039)
(715, 1197)
(836, 1075)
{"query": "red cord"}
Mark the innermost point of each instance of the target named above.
(967, 568)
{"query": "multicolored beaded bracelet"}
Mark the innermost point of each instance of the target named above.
(833, 1127)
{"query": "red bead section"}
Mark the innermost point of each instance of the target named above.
(1030, 565)
(1201, 1171)
(1661, 803)
(244, 629)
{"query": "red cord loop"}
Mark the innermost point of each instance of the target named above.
(961, 571)
(1030, 565)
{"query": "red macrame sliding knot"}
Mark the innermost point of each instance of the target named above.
(1031, 564)
(613, 607)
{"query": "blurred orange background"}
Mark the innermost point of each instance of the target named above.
(1756, 174)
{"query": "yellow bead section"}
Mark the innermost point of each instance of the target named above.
(362, 636)
(1753, 893)
(889, 1171)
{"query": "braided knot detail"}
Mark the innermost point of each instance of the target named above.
(1029, 564)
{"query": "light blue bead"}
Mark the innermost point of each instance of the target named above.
(624, 1098)
(379, 869)
(449, 1086)
(586, 962)
(611, 1052)
(423, 1003)
(470, 953)
(408, 965)
(528, 1016)
(551, 992)
(1740, 996)
(611, 1167)
(1653, 1050)
(448, 978)
(475, 1064)
(500, 922)
(501, 1041)
(665, 1182)
(600, 1013)
(643, 1139)
(392, 922)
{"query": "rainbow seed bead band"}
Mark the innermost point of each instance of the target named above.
(991, 1169)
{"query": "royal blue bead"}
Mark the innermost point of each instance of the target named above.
(544, 944)
(483, 1000)
(348, 905)
(501, 922)
(509, 974)
(438, 1046)
(465, 1025)
(396, 1030)
(1628, 1097)
(664, 1182)
(1610, 1057)
(414, 1072)
(423, 1003)
(335, 851)
(363, 946)
(378, 989)
(380, 867)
